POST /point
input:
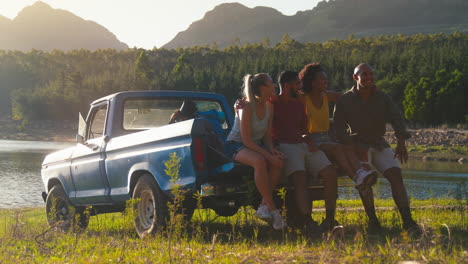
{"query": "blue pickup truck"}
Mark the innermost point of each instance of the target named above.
(122, 151)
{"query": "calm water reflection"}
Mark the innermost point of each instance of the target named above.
(423, 180)
(21, 184)
(20, 171)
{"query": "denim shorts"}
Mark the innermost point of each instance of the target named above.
(320, 138)
(231, 148)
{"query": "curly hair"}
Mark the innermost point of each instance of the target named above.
(308, 74)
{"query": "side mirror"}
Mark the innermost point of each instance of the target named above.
(79, 139)
(82, 128)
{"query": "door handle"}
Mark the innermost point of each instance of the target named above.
(93, 147)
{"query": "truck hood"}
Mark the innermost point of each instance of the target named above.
(58, 156)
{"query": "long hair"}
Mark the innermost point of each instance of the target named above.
(308, 74)
(252, 84)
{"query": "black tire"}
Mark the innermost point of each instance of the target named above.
(226, 211)
(188, 209)
(82, 216)
(62, 214)
(150, 208)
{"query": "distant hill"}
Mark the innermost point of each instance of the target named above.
(233, 23)
(43, 28)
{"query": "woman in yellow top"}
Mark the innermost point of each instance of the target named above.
(316, 97)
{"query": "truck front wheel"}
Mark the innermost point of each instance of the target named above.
(150, 207)
(62, 214)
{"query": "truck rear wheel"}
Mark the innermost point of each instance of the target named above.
(226, 211)
(150, 208)
(62, 214)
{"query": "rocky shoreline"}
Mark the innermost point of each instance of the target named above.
(63, 131)
(434, 137)
(425, 144)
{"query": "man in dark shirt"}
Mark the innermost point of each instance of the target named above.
(366, 110)
(187, 111)
(302, 157)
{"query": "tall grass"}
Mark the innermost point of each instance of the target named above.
(25, 237)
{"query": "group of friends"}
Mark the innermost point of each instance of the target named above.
(289, 135)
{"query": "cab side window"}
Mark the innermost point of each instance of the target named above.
(98, 122)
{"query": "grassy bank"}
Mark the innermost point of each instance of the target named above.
(25, 238)
(437, 152)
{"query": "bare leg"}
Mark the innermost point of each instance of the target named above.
(299, 179)
(329, 176)
(366, 194)
(258, 162)
(393, 175)
(352, 158)
(338, 153)
(367, 198)
(274, 175)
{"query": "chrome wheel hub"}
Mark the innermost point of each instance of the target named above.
(146, 210)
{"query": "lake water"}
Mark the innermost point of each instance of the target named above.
(21, 184)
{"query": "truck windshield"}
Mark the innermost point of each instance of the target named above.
(140, 114)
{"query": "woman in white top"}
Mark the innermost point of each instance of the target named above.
(250, 143)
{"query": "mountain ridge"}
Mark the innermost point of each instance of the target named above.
(235, 23)
(42, 27)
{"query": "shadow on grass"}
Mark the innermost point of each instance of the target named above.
(224, 232)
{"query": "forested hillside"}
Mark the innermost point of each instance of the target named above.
(427, 75)
(333, 19)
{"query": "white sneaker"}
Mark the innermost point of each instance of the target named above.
(278, 222)
(263, 213)
(363, 178)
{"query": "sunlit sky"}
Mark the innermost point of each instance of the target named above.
(148, 23)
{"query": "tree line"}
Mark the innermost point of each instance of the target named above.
(426, 75)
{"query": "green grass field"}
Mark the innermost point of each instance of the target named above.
(25, 237)
(449, 152)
